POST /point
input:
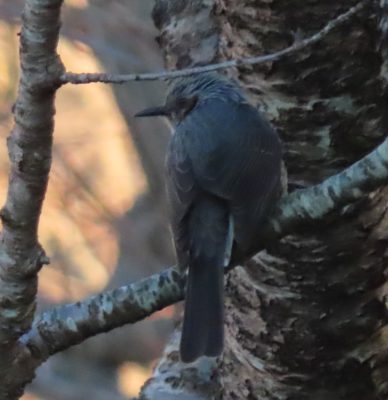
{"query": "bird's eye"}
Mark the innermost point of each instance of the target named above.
(185, 105)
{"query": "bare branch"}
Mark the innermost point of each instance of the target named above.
(29, 149)
(71, 324)
(351, 184)
(83, 78)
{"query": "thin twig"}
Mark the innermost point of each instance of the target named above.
(83, 78)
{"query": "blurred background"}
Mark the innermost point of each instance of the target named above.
(104, 222)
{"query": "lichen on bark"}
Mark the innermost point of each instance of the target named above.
(305, 319)
(29, 147)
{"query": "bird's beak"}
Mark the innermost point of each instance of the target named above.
(153, 112)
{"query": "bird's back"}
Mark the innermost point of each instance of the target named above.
(234, 154)
(223, 175)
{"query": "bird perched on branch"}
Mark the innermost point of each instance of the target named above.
(223, 177)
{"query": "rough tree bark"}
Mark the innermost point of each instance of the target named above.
(307, 319)
(29, 147)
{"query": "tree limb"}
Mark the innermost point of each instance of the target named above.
(29, 149)
(303, 206)
(84, 78)
(68, 325)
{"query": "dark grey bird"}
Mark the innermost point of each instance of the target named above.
(223, 178)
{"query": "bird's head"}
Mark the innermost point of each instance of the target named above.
(185, 93)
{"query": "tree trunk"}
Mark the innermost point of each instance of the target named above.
(306, 319)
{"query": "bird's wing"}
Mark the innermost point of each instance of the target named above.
(199, 221)
(235, 154)
(182, 191)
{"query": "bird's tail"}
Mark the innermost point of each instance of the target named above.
(203, 323)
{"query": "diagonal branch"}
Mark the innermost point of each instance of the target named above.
(71, 324)
(83, 78)
(349, 185)
(67, 325)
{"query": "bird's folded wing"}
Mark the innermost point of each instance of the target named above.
(234, 153)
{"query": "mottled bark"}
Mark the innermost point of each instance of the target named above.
(67, 325)
(71, 324)
(173, 380)
(307, 318)
(29, 147)
(299, 44)
(121, 36)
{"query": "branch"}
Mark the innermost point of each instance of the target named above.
(71, 324)
(83, 78)
(29, 149)
(351, 184)
(67, 325)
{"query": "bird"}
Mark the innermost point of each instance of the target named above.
(223, 177)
